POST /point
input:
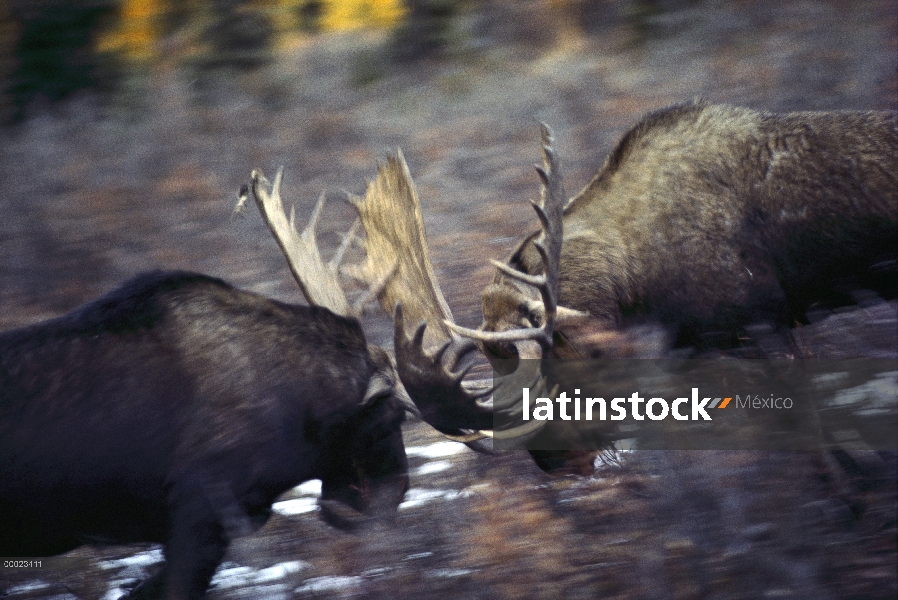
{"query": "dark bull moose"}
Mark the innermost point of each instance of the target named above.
(175, 410)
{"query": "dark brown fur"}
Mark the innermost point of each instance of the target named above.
(175, 410)
(711, 217)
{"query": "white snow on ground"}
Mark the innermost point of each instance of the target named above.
(309, 488)
(141, 559)
(307, 502)
(27, 587)
(231, 575)
(436, 450)
(295, 506)
(308, 492)
(319, 585)
(419, 496)
(435, 466)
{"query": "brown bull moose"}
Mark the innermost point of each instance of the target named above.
(707, 218)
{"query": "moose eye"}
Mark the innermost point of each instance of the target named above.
(532, 317)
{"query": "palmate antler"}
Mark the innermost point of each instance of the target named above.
(427, 358)
(390, 213)
(447, 401)
(318, 280)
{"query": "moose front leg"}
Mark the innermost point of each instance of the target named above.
(196, 543)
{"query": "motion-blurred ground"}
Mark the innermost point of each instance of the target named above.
(91, 196)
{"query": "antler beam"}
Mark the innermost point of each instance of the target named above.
(550, 212)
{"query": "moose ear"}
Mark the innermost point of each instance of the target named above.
(379, 385)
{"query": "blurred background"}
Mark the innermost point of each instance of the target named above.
(127, 127)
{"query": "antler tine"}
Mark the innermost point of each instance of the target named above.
(318, 281)
(374, 289)
(348, 240)
(509, 335)
(439, 389)
(549, 211)
(309, 232)
(534, 280)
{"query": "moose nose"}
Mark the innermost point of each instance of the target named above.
(528, 349)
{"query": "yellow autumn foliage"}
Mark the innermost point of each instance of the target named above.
(341, 15)
(137, 28)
